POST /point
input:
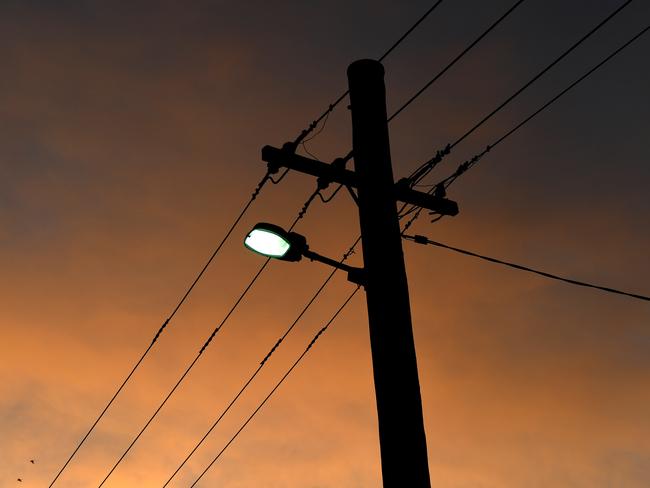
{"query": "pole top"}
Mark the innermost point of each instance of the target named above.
(366, 68)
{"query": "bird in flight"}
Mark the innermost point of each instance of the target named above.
(20, 480)
(32, 461)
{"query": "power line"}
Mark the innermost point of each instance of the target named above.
(471, 162)
(541, 73)
(210, 260)
(468, 164)
(426, 167)
(249, 419)
(301, 214)
(333, 105)
(277, 385)
(411, 29)
(264, 401)
(257, 371)
(416, 215)
(465, 166)
(454, 61)
(444, 152)
(262, 363)
(186, 372)
(299, 140)
(424, 240)
(309, 346)
(267, 177)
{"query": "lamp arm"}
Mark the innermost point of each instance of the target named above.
(314, 256)
(355, 275)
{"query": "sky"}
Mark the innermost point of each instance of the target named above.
(130, 138)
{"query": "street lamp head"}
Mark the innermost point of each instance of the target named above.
(274, 242)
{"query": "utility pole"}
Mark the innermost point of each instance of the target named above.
(397, 389)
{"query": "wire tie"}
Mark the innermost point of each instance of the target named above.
(420, 239)
(271, 351)
(313, 341)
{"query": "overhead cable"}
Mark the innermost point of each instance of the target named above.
(333, 105)
(271, 393)
(446, 151)
(301, 214)
(425, 240)
(427, 166)
(293, 366)
(471, 162)
(468, 164)
(455, 60)
(267, 177)
(262, 363)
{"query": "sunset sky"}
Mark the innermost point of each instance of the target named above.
(130, 138)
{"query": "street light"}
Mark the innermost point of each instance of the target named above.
(273, 241)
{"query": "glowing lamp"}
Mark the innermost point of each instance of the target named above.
(274, 242)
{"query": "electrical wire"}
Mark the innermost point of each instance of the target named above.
(424, 240)
(541, 73)
(308, 152)
(468, 164)
(304, 142)
(256, 192)
(277, 182)
(455, 60)
(351, 250)
(466, 252)
(185, 373)
(334, 104)
(303, 136)
(465, 166)
(301, 214)
(329, 199)
(471, 162)
(426, 167)
(263, 362)
(301, 139)
(317, 133)
(268, 177)
(293, 366)
(446, 151)
(411, 29)
(253, 376)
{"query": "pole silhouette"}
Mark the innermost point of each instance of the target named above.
(397, 388)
